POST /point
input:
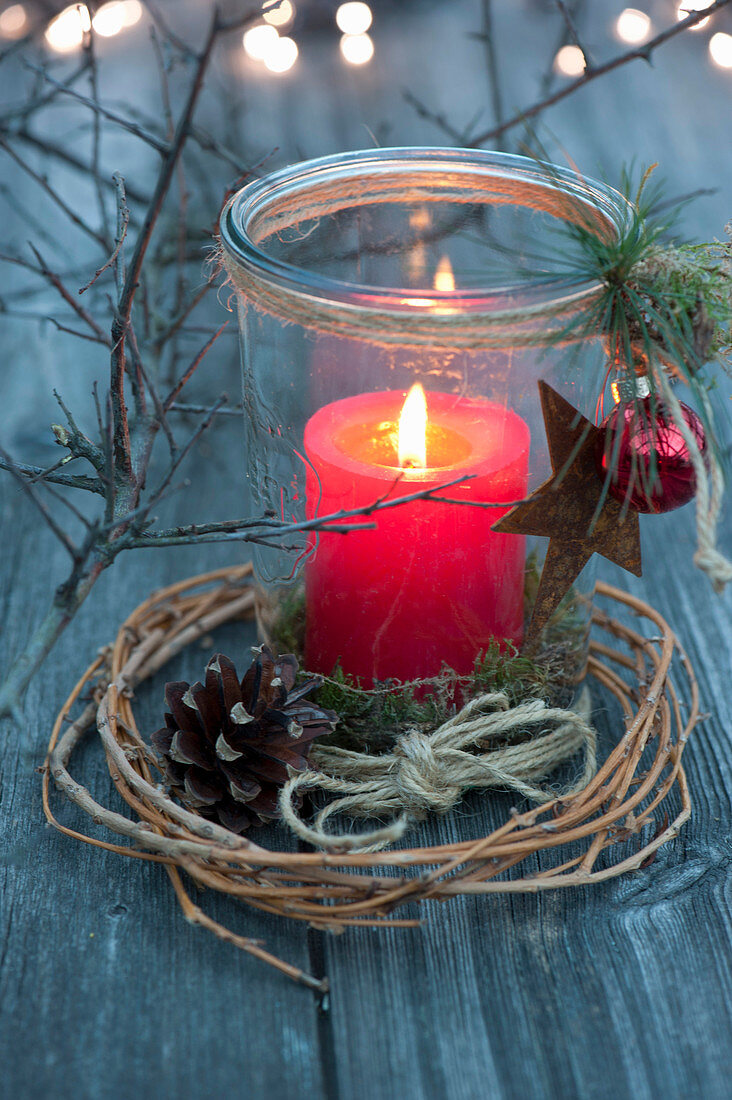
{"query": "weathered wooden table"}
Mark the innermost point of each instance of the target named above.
(622, 990)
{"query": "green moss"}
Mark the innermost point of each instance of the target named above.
(372, 718)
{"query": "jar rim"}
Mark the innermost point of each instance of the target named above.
(606, 205)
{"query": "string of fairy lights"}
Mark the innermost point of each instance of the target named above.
(268, 45)
(265, 43)
(278, 52)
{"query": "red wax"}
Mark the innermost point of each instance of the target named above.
(432, 583)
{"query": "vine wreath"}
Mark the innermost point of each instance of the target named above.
(334, 889)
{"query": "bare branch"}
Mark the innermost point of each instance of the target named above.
(58, 283)
(643, 52)
(30, 492)
(573, 34)
(96, 173)
(246, 530)
(123, 221)
(124, 306)
(37, 473)
(227, 410)
(188, 373)
(66, 156)
(111, 116)
(436, 117)
(184, 451)
(185, 312)
(75, 332)
(53, 194)
(74, 439)
(491, 56)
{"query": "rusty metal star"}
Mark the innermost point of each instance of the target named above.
(570, 510)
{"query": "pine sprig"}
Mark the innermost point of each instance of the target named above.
(662, 301)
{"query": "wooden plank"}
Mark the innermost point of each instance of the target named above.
(98, 969)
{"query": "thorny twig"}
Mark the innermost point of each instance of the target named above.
(643, 52)
(592, 72)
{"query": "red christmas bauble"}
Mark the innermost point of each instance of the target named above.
(649, 463)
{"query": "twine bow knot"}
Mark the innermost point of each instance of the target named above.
(429, 772)
(423, 775)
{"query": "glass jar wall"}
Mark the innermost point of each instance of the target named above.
(357, 277)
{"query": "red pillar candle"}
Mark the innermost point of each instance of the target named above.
(432, 583)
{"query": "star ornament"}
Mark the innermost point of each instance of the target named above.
(569, 509)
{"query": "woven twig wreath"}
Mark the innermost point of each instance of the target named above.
(331, 890)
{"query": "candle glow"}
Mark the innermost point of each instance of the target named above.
(412, 431)
(430, 578)
(444, 278)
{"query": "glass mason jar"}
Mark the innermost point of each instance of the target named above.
(357, 276)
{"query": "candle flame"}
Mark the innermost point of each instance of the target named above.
(412, 440)
(444, 278)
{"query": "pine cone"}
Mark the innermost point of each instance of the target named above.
(228, 746)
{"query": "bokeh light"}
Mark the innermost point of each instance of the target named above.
(570, 61)
(720, 50)
(281, 16)
(633, 26)
(688, 6)
(116, 16)
(260, 40)
(357, 49)
(13, 21)
(281, 56)
(66, 32)
(354, 18)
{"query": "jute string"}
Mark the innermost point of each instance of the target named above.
(709, 491)
(477, 325)
(430, 772)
